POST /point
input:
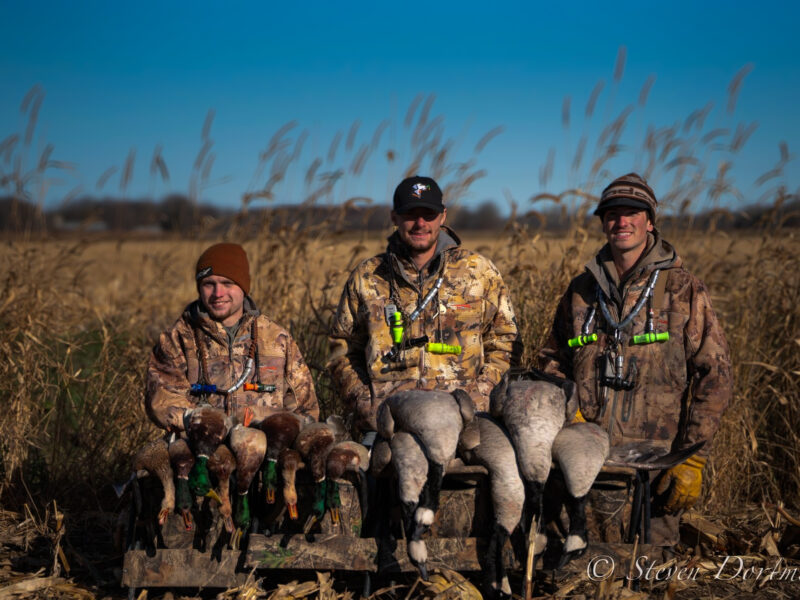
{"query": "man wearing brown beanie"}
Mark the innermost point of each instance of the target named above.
(222, 351)
(637, 333)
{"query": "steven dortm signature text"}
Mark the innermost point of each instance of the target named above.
(728, 568)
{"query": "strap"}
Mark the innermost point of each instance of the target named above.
(660, 290)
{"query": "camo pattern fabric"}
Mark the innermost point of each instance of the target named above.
(472, 309)
(175, 365)
(682, 386)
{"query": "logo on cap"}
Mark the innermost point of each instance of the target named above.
(204, 273)
(418, 188)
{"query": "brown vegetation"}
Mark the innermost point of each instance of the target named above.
(79, 317)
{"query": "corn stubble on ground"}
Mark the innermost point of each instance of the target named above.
(79, 319)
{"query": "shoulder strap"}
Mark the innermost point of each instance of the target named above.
(660, 289)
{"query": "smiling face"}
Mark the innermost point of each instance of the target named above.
(626, 230)
(419, 230)
(222, 299)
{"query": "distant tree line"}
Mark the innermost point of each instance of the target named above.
(177, 214)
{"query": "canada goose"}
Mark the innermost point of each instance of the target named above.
(313, 443)
(496, 453)
(533, 412)
(411, 465)
(437, 419)
(222, 463)
(281, 429)
(206, 427)
(182, 461)
(346, 456)
(249, 446)
(580, 449)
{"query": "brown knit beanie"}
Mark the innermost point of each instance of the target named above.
(628, 190)
(225, 260)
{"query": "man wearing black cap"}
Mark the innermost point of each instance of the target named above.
(425, 314)
(637, 333)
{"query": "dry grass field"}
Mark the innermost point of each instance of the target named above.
(79, 318)
(79, 315)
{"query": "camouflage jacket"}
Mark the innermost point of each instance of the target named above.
(472, 309)
(175, 365)
(682, 386)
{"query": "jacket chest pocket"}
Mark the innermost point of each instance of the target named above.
(460, 323)
(270, 370)
(458, 318)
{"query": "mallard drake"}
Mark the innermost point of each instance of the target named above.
(249, 446)
(289, 462)
(343, 457)
(313, 443)
(153, 459)
(206, 427)
(222, 463)
(281, 429)
(182, 461)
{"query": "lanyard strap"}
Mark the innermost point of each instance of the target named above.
(638, 306)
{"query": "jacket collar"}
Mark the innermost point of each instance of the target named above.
(397, 253)
(197, 316)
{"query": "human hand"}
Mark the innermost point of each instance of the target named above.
(175, 418)
(686, 480)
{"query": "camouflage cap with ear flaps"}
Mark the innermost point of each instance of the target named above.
(629, 190)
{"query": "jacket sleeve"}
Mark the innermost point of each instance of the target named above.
(502, 345)
(298, 376)
(348, 341)
(167, 381)
(708, 369)
(553, 357)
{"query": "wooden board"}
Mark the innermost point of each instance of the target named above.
(181, 568)
(359, 554)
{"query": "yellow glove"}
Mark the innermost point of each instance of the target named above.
(686, 480)
(578, 418)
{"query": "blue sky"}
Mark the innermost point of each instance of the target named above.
(120, 76)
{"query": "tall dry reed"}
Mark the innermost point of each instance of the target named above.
(79, 319)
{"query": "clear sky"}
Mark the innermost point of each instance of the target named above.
(123, 76)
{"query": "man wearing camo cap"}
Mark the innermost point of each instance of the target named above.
(637, 333)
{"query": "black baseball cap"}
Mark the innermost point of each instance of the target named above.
(417, 192)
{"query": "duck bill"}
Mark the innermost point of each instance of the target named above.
(214, 496)
(270, 495)
(292, 508)
(335, 515)
(309, 523)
